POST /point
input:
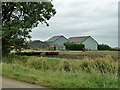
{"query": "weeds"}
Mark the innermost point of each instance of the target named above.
(57, 73)
(60, 79)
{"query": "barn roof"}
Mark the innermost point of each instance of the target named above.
(78, 39)
(54, 38)
(36, 41)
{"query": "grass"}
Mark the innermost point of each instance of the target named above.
(112, 53)
(80, 54)
(62, 73)
(51, 59)
(60, 79)
(74, 52)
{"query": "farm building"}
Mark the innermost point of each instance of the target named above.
(57, 42)
(38, 45)
(88, 41)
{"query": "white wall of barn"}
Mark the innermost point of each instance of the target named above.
(60, 41)
(90, 44)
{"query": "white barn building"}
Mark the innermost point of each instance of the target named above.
(88, 41)
(57, 42)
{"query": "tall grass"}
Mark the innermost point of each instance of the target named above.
(60, 79)
(62, 73)
(104, 65)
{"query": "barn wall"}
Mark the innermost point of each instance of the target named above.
(60, 41)
(90, 44)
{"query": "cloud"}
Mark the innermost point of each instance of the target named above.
(78, 17)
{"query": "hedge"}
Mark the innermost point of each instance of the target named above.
(103, 47)
(72, 46)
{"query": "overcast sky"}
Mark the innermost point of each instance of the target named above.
(96, 18)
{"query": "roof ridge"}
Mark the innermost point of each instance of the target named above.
(54, 38)
(80, 36)
(57, 35)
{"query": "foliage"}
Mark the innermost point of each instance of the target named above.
(79, 75)
(72, 46)
(104, 47)
(103, 65)
(14, 59)
(19, 18)
(63, 73)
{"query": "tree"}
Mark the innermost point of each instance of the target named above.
(103, 47)
(19, 18)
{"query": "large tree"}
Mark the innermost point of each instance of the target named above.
(18, 19)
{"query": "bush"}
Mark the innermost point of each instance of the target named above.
(37, 64)
(64, 65)
(41, 64)
(72, 46)
(103, 65)
(14, 59)
(104, 47)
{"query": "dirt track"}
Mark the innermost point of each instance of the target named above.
(10, 83)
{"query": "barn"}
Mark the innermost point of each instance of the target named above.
(88, 41)
(57, 42)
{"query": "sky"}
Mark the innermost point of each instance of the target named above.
(74, 18)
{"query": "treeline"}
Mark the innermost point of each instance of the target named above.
(104, 47)
(72, 46)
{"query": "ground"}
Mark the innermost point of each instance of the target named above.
(70, 69)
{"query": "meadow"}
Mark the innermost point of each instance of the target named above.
(100, 72)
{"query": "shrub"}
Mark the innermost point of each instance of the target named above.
(103, 65)
(14, 59)
(64, 65)
(37, 64)
(41, 64)
(72, 46)
(104, 47)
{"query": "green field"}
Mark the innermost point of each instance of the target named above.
(64, 73)
(79, 55)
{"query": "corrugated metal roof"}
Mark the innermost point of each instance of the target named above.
(54, 38)
(78, 39)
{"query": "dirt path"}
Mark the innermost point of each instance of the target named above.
(10, 83)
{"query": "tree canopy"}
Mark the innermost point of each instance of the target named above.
(103, 47)
(19, 18)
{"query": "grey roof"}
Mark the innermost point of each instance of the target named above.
(37, 41)
(78, 39)
(54, 38)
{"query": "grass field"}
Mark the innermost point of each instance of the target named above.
(100, 72)
(79, 55)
